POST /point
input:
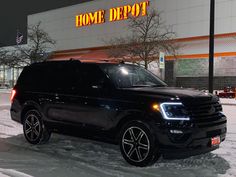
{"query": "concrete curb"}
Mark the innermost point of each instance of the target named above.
(228, 104)
(5, 92)
(5, 107)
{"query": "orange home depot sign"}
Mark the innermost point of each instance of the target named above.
(115, 14)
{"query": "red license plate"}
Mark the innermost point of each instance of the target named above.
(215, 141)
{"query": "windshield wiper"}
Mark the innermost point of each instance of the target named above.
(158, 86)
(136, 86)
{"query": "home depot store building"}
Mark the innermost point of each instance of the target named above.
(80, 31)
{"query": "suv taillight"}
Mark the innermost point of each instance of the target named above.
(13, 94)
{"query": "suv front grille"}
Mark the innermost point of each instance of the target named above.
(207, 114)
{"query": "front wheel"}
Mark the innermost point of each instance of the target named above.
(138, 144)
(34, 130)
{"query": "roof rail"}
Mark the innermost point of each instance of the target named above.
(122, 62)
(73, 59)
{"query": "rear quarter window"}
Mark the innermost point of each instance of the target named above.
(49, 77)
(34, 78)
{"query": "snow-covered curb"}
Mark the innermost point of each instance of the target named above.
(12, 173)
(227, 101)
(5, 90)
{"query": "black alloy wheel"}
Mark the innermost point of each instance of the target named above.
(34, 130)
(138, 144)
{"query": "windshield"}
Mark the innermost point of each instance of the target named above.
(129, 76)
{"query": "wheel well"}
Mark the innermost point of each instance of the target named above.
(126, 120)
(25, 110)
(133, 117)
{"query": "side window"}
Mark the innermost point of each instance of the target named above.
(91, 77)
(62, 77)
(33, 78)
(55, 77)
(24, 77)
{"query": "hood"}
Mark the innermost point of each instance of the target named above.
(172, 92)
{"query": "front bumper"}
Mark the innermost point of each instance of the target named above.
(192, 141)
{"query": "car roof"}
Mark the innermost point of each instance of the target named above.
(81, 61)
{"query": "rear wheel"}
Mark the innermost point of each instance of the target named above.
(138, 144)
(34, 129)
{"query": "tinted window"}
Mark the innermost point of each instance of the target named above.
(33, 78)
(62, 77)
(90, 76)
(48, 77)
(127, 76)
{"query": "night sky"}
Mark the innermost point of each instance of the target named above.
(13, 15)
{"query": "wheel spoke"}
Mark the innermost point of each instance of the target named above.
(129, 142)
(138, 154)
(28, 123)
(32, 135)
(131, 132)
(32, 119)
(28, 130)
(131, 151)
(143, 146)
(36, 132)
(140, 135)
(36, 124)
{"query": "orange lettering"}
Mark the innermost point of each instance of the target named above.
(144, 6)
(127, 10)
(90, 18)
(93, 18)
(79, 21)
(101, 18)
(116, 14)
(135, 10)
(113, 14)
(120, 13)
(86, 20)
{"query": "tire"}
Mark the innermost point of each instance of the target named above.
(35, 131)
(138, 144)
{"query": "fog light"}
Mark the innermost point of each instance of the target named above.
(176, 132)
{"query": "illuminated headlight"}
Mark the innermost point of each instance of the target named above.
(174, 111)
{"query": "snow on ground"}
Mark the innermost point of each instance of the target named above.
(66, 156)
(8, 128)
(227, 101)
(5, 90)
(4, 99)
(228, 148)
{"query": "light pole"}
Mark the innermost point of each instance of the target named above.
(211, 47)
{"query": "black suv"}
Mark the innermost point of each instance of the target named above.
(120, 103)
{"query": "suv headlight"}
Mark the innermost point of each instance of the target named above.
(174, 111)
